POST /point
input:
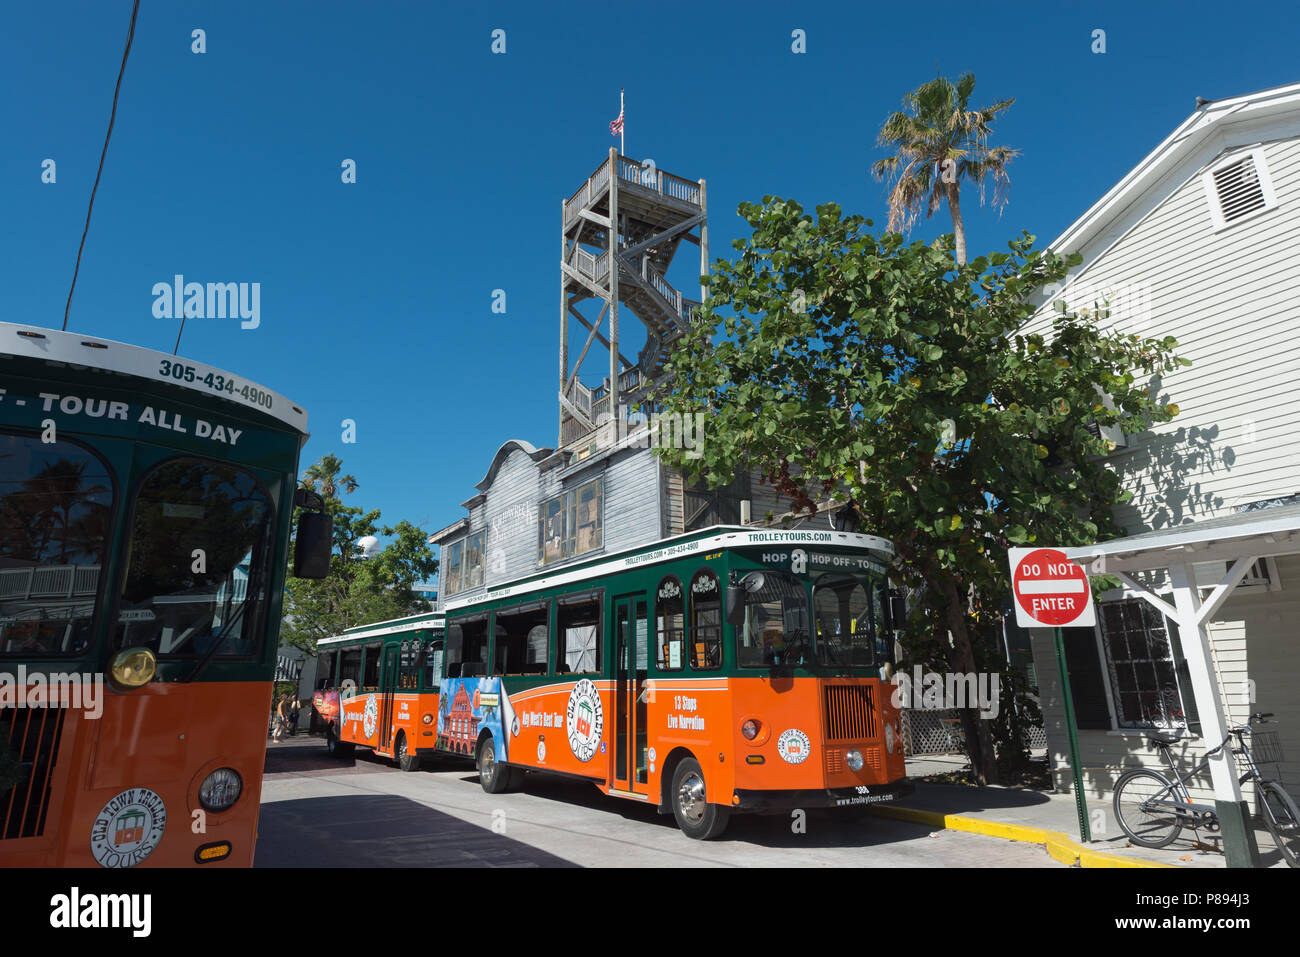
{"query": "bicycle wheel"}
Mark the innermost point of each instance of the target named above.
(1282, 820)
(1145, 825)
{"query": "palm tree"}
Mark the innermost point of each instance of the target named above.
(939, 142)
(324, 477)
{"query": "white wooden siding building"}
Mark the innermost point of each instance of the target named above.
(1198, 242)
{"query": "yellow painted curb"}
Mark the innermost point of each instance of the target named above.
(1058, 845)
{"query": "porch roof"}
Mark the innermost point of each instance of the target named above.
(1258, 533)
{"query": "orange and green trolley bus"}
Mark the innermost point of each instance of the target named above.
(145, 510)
(722, 671)
(377, 688)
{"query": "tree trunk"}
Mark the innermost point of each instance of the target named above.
(961, 659)
(959, 230)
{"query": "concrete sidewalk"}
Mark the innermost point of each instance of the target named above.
(1050, 819)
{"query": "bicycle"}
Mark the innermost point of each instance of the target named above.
(1152, 810)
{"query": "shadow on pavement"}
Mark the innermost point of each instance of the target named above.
(299, 756)
(382, 831)
(819, 827)
(963, 799)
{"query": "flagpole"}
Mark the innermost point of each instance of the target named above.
(621, 150)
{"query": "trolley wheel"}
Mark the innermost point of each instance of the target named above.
(337, 749)
(1147, 828)
(697, 818)
(495, 777)
(1282, 820)
(403, 758)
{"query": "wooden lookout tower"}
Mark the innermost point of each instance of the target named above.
(633, 215)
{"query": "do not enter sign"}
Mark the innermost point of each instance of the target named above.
(1049, 589)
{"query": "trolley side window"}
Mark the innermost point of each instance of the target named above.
(706, 622)
(325, 671)
(467, 647)
(349, 673)
(521, 638)
(197, 562)
(56, 504)
(433, 666)
(408, 669)
(370, 680)
(670, 625)
(578, 635)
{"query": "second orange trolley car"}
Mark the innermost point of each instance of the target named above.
(726, 670)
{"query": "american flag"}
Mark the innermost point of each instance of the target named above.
(616, 127)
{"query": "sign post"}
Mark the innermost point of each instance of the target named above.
(1050, 589)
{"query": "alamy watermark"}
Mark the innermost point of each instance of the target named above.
(213, 300)
(931, 691)
(41, 690)
(669, 430)
(1127, 304)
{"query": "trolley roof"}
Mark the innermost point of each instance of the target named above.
(668, 549)
(74, 349)
(432, 620)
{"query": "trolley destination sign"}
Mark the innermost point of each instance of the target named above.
(158, 417)
(1050, 589)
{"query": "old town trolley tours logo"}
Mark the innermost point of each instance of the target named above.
(370, 720)
(585, 720)
(128, 828)
(793, 746)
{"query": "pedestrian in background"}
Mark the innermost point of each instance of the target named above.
(281, 718)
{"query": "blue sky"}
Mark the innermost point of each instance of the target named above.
(376, 296)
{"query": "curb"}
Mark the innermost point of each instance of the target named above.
(1057, 844)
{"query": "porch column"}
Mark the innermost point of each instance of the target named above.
(1234, 819)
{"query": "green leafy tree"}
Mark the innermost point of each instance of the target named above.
(860, 369)
(357, 590)
(939, 142)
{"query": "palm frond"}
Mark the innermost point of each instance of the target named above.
(936, 125)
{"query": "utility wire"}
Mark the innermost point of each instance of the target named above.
(130, 35)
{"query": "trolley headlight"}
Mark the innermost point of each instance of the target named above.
(133, 667)
(220, 789)
(750, 729)
(854, 760)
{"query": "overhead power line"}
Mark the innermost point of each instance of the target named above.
(130, 35)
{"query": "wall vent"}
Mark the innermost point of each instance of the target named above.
(1238, 188)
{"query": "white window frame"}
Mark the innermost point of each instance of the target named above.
(1111, 677)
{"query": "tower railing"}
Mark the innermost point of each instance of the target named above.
(634, 173)
(621, 231)
(592, 266)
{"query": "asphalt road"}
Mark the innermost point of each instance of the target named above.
(363, 812)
